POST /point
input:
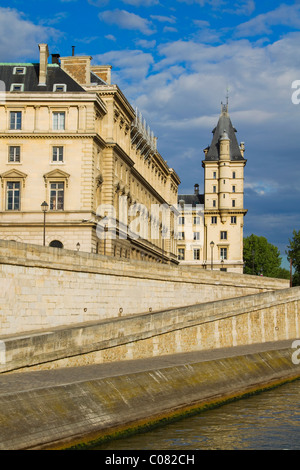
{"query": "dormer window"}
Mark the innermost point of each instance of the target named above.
(17, 87)
(60, 87)
(19, 71)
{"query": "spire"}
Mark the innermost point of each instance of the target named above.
(224, 130)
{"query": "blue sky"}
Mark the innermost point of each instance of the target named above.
(175, 60)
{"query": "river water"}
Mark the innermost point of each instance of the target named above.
(267, 421)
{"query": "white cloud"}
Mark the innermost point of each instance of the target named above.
(146, 44)
(201, 23)
(169, 29)
(56, 18)
(126, 20)
(111, 37)
(284, 15)
(25, 38)
(164, 19)
(245, 7)
(144, 3)
(131, 65)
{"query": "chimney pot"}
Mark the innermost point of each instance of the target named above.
(55, 58)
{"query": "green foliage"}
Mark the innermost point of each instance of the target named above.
(262, 258)
(294, 254)
(283, 273)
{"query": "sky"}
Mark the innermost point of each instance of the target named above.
(176, 61)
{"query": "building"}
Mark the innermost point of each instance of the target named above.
(70, 139)
(211, 230)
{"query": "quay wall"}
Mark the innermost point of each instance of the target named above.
(64, 416)
(252, 319)
(43, 287)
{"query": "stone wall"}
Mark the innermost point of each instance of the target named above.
(253, 319)
(44, 288)
(70, 413)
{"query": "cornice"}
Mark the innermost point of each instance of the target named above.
(121, 153)
(225, 212)
(49, 135)
(114, 90)
(46, 99)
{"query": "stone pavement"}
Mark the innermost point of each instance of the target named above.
(22, 381)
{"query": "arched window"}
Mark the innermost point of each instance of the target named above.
(56, 244)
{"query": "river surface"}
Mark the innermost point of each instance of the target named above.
(266, 421)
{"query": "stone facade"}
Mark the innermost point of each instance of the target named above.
(71, 138)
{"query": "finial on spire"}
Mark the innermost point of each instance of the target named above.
(224, 107)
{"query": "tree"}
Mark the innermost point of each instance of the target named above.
(293, 254)
(262, 258)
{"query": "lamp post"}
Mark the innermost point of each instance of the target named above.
(212, 254)
(105, 232)
(44, 207)
(291, 272)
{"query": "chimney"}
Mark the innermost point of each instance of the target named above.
(196, 189)
(78, 67)
(103, 71)
(55, 59)
(44, 54)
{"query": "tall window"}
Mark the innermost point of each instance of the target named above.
(196, 220)
(214, 175)
(233, 203)
(233, 174)
(180, 235)
(57, 196)
(196, 236)
(233, 219)
(196, 254)
(223, 253)
(13, 196)
(214, 189)
(181, 221)
(57, 154)
(224, 235)
(15, 120)
(180, 253)
(59, 121)
(214, 220)
(14, 153)
(233, 189)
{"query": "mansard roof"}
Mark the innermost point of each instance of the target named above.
(30, 79)
(224, 124)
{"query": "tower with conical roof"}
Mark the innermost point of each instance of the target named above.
(224, 197)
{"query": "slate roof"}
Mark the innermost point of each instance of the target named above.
(191, 199)
(97, 80)
(55, 75)
(224, 124)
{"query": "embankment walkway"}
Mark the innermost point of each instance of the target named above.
(60, 408)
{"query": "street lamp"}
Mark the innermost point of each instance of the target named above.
(44, 207)
(212, 254)
(291, 272)
(105, 235)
